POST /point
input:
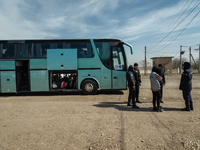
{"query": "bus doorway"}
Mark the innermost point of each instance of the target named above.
(22, 75)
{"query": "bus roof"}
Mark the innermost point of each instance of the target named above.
(45, 40)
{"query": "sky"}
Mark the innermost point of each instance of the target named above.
(138, 22)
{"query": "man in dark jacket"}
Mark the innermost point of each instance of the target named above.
(131, 84)
(161, 74)
(186, 86)
(138, 82)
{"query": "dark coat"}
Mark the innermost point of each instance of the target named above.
(130, 76)
(162, 74)
(186, 79)
(137, 76)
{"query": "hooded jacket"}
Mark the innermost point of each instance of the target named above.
(130, 77)
(155, 79)
(186, 78)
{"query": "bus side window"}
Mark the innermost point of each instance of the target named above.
(84, 49)
(8, 51)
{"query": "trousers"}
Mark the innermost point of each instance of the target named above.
(161, 91)
(156, 98)
(187, 97)
(137, 90)
(131, 95)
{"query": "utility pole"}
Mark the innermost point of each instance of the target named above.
(199, 58)
(145, 61)
(190, 54)
(180, 59)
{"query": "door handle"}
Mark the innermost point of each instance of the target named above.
(115, 77)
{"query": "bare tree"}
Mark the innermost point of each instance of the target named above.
(142, 63)
(176, 62)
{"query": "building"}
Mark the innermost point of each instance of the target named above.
(165, 61)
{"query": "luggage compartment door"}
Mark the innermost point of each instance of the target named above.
(8, 82)
(62, 59)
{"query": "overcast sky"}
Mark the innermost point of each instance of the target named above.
(138, 22)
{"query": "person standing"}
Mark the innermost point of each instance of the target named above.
(131, 84)
(138, 82)
(162, 74)
(186, 86)
(155, 87)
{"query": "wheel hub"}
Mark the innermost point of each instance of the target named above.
(89, 87)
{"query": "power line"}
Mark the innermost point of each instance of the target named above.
(179, 14)
(175, 27)
(177, 35)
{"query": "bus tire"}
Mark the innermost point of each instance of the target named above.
(89, 87)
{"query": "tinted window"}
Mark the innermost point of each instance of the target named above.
(39, 49)
(16, 50)
(84, 49)
(118, 59)
(103, 49)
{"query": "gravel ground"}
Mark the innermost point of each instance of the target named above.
(71, 121)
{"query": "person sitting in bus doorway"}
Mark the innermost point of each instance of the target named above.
(138, 82)
(162, 82)
(155, 87)
(186, 86)
(131, 84)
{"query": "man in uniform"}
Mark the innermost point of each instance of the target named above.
(138, 82)
(162, 82)
(186, 86)
(131, 84)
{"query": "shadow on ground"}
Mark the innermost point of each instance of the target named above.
(66, 93)
(122, 106)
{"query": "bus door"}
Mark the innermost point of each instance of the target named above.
(119, 68)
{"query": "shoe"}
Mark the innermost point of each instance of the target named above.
(135, 106)
(138, 101)
(191, 107)
(187, 108)
(160, 110)
(129, 104)
(161, 101)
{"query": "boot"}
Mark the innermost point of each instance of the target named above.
(191, 107)
(137, 101)
(187, 108)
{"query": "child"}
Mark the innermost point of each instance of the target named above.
(155, 87)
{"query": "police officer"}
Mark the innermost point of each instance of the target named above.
(131, 84)
(162, 82)
(186, 86)
(138, 82)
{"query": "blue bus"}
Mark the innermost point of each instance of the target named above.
(85, 65)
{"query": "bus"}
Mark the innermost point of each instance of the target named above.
(85, 65)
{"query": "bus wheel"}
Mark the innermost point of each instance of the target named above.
(89, 87)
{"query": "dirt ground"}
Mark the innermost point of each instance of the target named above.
(70, 121)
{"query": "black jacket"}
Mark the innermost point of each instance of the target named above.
(130, 76)
(162, 74)
(137, 76)
(186, 79)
